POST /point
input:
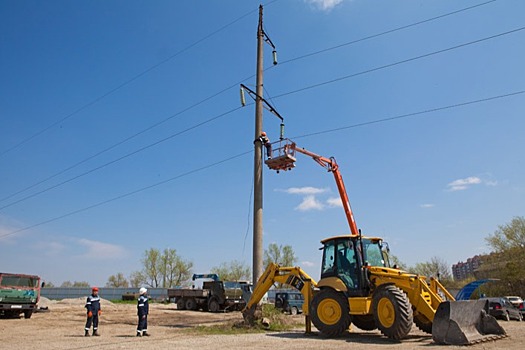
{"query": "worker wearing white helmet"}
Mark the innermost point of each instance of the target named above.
(142, 312)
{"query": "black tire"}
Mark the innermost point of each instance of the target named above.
(293, 311)
(28, 313)
(364, 322)
(330, 312)
(181, 304)
(507, 317)
(423, 323)
(191, 304)
(392, 312)
(213, 305)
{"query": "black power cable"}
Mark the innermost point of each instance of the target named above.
(456, 105)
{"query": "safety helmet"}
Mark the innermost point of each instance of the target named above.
(94, 289)
(263, 133)
(143, 290)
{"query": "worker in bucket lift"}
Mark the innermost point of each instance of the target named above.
(266, 143)
(142, 312)
(93, 311)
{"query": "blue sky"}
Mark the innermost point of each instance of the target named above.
(121, 129)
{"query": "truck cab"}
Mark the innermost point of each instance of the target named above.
(19, 294)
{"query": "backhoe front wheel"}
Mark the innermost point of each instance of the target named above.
(392, 312)
(330, 312)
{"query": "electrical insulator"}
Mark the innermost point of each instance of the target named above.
(274, 54)
(243, 99)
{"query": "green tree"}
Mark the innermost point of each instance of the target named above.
(232, 271)
(151, 263)
(436, 267)
(508, 237)
(137, 279)
(76, 284)
(164, 269)
(284, 256)
(49, 285)
(117, 281)
(507, 261)
(395, 261)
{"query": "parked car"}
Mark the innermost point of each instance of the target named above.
(291, 302)
(503, 309)
(518, 303)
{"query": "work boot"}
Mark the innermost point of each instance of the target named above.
(145, 334)
(138, 334)
(95, 333)
(86, 334)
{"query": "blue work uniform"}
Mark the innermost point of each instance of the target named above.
(93, 305)
(142, 312)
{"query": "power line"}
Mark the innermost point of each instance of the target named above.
(456, 105)
(121, 158)
(400, 62)
(125, 83)
(390, 31)
(126, 194)
(402, 116)
(107, 149)
(228, 88)
(278, 96)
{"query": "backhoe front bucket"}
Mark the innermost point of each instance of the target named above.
(465, 322)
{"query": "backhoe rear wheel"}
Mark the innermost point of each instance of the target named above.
(392, 312)
(330, 312)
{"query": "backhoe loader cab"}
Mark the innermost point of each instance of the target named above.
(345, 257)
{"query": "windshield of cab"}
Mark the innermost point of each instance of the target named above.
(373, 252)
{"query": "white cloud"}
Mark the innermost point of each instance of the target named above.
(307, 264)
(101, 250)
(324, 5)
(310, 203)
(52, 248)
(463, 184)
(428, 205)
(305, 190)
(334, 202)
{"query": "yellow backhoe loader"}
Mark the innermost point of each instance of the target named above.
(359, 286)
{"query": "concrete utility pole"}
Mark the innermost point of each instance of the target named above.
(257, 163)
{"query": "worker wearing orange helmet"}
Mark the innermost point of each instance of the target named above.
(265, 141)
(93, 311)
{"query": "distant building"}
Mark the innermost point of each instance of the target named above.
(462, 270)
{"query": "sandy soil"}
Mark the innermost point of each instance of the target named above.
(62, 327)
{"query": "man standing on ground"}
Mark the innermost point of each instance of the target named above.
(93, 311)
(142, 312)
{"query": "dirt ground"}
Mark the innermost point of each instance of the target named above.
(62, 327)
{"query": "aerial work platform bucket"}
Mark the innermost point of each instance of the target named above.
(464, 323)
(283, 156)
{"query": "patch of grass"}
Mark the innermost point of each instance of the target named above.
(120, 301)
(278, 322)
(226, 329)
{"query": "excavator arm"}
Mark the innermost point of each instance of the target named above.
(292, 276)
